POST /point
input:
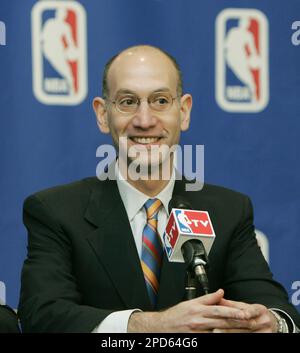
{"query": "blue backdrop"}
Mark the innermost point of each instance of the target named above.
(48, 132)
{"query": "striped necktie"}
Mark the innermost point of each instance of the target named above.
(152, 250)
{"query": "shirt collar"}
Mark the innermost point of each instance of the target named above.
(134, 199)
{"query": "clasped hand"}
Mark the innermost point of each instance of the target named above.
(209, 313)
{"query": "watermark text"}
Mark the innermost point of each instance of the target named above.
(153, 162)
(296, 35)
(2, 33)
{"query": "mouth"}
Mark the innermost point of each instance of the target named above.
(143, 140)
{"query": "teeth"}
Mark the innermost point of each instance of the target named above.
(145, 140)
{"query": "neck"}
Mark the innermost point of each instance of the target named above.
(151, 186)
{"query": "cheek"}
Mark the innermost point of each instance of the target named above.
(117, 125)
(173, 127)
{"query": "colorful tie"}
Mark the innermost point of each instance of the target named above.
(152, 250)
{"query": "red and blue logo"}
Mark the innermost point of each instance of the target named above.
(242, 64)
(59, 52)
(170, 235)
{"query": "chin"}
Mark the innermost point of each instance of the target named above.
(143, 168)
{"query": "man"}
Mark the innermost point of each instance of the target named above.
(94, 258)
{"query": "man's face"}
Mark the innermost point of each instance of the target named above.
(141, 73)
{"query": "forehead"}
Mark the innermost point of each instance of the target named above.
(142, 71)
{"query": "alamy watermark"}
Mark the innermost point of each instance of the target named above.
(153, 162)
(2, 33)
(296, 293)
(296, 35)
(2, 293)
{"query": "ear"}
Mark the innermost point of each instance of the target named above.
(101, 114)
(185, 111)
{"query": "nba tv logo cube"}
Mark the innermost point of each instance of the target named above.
(59, 64)
(242, 63)
(2, 33)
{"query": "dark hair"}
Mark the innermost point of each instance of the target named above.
(105, 89)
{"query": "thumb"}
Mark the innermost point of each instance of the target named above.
(212, 298)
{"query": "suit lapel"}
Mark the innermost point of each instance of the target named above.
(114, 245)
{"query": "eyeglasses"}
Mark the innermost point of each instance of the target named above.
(129, 103)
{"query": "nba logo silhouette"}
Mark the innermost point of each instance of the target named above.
(242, 70)
(59, 52)
(183, 221)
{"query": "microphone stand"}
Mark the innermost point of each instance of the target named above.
(191, 285)
(196, 259)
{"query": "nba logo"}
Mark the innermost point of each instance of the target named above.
(59, 52)
(242, 70)
(183, 221)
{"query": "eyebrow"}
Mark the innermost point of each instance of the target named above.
(128, 91)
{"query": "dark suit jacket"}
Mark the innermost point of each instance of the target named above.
(8, 320)
(82, 261)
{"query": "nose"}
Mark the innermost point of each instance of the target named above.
(144, 118)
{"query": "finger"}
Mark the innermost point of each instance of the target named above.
(238, 305)
(265, 323)
(229, 324)
(223, 312)
(211, 299)
(254, 311)
(250, 310)
(233, 304)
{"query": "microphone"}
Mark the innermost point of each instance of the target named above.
(195, 257)
(188, 238)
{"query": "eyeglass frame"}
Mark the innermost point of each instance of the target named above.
(139, 100)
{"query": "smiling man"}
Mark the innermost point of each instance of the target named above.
(147, 110)
(95, 259)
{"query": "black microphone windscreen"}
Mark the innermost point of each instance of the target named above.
(179, 202)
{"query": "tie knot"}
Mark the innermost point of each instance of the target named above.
(152, 207)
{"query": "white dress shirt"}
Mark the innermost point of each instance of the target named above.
(134, 201)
